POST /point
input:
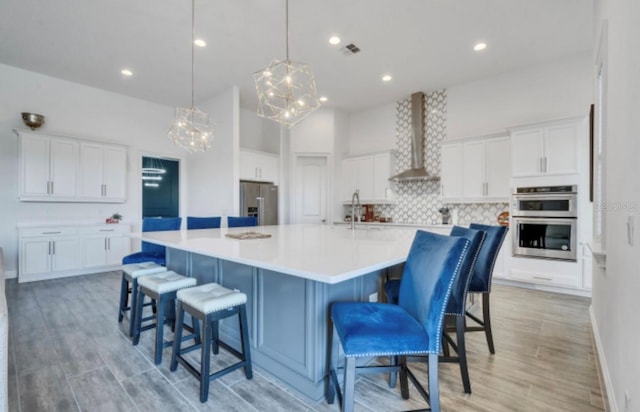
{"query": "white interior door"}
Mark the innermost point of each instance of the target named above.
(310, 189)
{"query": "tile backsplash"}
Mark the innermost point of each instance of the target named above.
(419, 201)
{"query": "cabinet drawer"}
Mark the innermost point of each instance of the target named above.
(49, 231)
(105, 229)
(564, 280)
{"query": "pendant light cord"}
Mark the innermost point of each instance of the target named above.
(286, 25)
(193, 39)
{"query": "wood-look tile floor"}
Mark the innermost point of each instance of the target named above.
(67, 353)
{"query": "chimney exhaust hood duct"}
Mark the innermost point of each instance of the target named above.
(418, 170)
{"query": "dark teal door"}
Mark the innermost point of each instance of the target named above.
(160, 190)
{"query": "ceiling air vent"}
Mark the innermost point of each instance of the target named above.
(350, 49)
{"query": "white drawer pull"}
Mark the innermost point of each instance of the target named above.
(541, 278)
(51, 233)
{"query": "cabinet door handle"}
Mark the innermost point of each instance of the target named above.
(543, 278)
(105, 243)
(51, 233)
(52, 187)
(540, 165)
(107, 230)
(53, 244)
(545, 164)
(49, 247)
(105, 190)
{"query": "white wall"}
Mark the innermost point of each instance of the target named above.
(79, 111)
(372, 130)
(214, 174)
(258, 133)
(615, 292)
(315, 134)
(562, 88)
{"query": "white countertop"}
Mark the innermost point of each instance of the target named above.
(445, 228)
(55, 222)
(324, 253)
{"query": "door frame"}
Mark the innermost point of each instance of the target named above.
(295, 158)
(182, 180)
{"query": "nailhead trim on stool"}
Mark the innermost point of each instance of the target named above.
(130, 274)
(163, 288)
(210, 303)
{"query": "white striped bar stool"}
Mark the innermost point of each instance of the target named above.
(163, 288)
(210, 303)
(130, 274)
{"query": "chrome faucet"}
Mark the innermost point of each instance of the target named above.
(355, 201)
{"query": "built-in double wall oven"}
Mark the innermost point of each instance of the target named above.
(545, 222)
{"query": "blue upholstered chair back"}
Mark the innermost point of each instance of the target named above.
(203, 222)
(241, 221)
(481, 280)
(431, 270)
(158, 225)
(457, 303)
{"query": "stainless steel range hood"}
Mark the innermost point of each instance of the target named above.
(418, 170)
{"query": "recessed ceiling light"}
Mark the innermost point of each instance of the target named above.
(200, 42)
(480, 46)
(334, 40)
(323, 98)
(126, 72)
(386, 78)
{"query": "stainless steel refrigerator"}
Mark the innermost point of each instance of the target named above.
(259, 200)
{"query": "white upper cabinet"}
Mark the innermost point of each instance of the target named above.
(103, 172)
(258, 166)
(369, 175)
(64, 169)
(48, 167)
(476, 170)
(549, 148)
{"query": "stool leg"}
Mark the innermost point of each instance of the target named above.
(434, 394)
(215, 337)
(177, 339)
(244, 338)
(205, 357)
(124, 293)
(134, 302)
(349, 384)
(393, 360)
(162, 307)
(195, 323)
(487, 322)
(462, 354)
(137, 319)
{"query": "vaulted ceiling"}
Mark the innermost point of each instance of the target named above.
(424, 44)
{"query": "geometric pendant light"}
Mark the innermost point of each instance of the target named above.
(192, 129)
(286, 90)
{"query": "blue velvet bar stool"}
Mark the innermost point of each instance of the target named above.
(241, 221)
(482, 276)
(413, 327)
(203, 222)
(152, 252)
(161, 287)
(129, 284)
(456, 307)
(210, 303)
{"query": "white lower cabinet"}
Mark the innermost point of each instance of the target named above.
(105, 245)
(48, 250)
(53, 252)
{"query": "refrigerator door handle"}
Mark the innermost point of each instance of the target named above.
(260, 210)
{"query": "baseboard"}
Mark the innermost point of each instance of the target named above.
(11, 274)
(604, 369)
(544, 288)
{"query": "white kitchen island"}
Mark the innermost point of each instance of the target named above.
(290, 279)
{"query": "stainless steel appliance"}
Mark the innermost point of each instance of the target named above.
(545, 222)
(259, 200)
